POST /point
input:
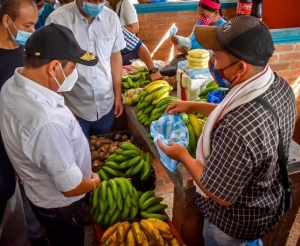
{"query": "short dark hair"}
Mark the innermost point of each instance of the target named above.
(35, 62)
(12, 7)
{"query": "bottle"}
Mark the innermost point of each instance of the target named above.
(244, 7)
(257, 9)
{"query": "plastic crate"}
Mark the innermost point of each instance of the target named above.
(138, 184)
(98, 232)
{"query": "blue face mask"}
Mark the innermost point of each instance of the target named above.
(41, 11)
(22, 36)
(92, 10)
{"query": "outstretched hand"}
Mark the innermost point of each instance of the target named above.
(175, 151)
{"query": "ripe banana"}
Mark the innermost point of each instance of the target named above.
(175, 242)
(111, 230)
(130, 241)
(166, 235)
(196, 125)
(136, 230)
(162, 91)
(156, 101)
(151, 202)
(161, 225)
(150, 228)
(122, 231)
(155, 83)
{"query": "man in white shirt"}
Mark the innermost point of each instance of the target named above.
(43, 139)
(96, 98)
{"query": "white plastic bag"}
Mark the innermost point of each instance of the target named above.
(182, 41)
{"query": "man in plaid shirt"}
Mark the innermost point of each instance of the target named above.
(237, 168)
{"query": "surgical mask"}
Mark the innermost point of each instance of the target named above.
(69, 81)
(41, 11)
(21, 37)
(92, 10)
(218, 74)
(205, 21)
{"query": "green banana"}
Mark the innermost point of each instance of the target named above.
(110, 198)
(140, 114)
(113, 185)
(118, 152)
(145, 172)
(155, 116)
(129, 186)
(127, 201)
(125, 85)
(137, 168)
(128, 172)
(95, 198)
(121, 158)
(192, 138)
(149, 109)
(146, 215)
(209, 89)
(162, 91)
(147, 118)
(103, 175)
(129, 82)
(141, 104)
(133, 212)
(134, 201)
(111, 157)
(185, 117)
(125, 213)
(110, 171)
(103, 205)
(119, 200)
(120, 173)
(112, 165)
(148, 122)
(167, 100)
(131, 153)
(145, 196)
(151, 202)
(140, 118)
(195, 124)
(123, 186)
(100, 217)
(150, 97)
(134, 161)
(139, 194)
(211, 84)
(160, 110)
(113, 219)
(156, 208)
(107, 216)
(103, 190)
(123, 165)
(128, 146)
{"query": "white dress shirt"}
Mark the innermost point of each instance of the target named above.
(92, 96)
(44, 142)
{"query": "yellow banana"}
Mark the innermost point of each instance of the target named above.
(161, 225)
(157, 100)
(175, 242)
(166, 235)
(151, 229)
(196, 125)
(130, 241)
(112, 240)
(111, 230)
(122, 231)
(136, 230)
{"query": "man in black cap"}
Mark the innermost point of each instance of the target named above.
(43, 139)
(237, 165)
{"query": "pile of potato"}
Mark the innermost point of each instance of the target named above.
(102, 147)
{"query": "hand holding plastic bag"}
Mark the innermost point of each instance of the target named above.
(182, 41)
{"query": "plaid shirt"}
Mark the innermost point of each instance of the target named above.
(243, 166)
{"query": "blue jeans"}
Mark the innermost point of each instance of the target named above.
(98, 127)
(213, 236)
(34, 227)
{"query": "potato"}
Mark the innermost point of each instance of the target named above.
(117, 137)
(101, 156)
(92, 147)
(113, 148)
(124, 137)
(94, 137)
(97, 165)
(94, 155)
(98, 144)
(93, 141)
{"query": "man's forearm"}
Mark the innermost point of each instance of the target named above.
(116, 72)
(85, 186)
(145, 56)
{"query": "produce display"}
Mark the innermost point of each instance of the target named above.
(117, 200)
(150, 232)
(211, 86)
(127, 160)
(102, 147)
(198, 59)
(132, 96)
(150, 99)
(137, 79)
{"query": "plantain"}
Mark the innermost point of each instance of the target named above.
(109, 231)
(122, 231)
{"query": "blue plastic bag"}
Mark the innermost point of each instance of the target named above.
(169, 128)
(215, 96)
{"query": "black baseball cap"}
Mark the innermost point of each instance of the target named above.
(57, 42)
(244, 37)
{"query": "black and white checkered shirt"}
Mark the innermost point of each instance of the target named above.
(243, 166)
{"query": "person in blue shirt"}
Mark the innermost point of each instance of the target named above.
(210, 13)
(45, 9)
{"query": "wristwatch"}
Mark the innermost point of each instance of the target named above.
(153, 70)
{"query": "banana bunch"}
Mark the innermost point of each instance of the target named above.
(114, 200)
(150, 232)
(211, 86)
(126, 161)
(150, 97)
(150, 206)
(194, 126)
(135, 80)
(161, 107)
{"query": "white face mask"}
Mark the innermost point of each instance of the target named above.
(69, 81)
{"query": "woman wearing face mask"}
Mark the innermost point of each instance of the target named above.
(210, 13)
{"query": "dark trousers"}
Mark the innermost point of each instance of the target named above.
(65, 225)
